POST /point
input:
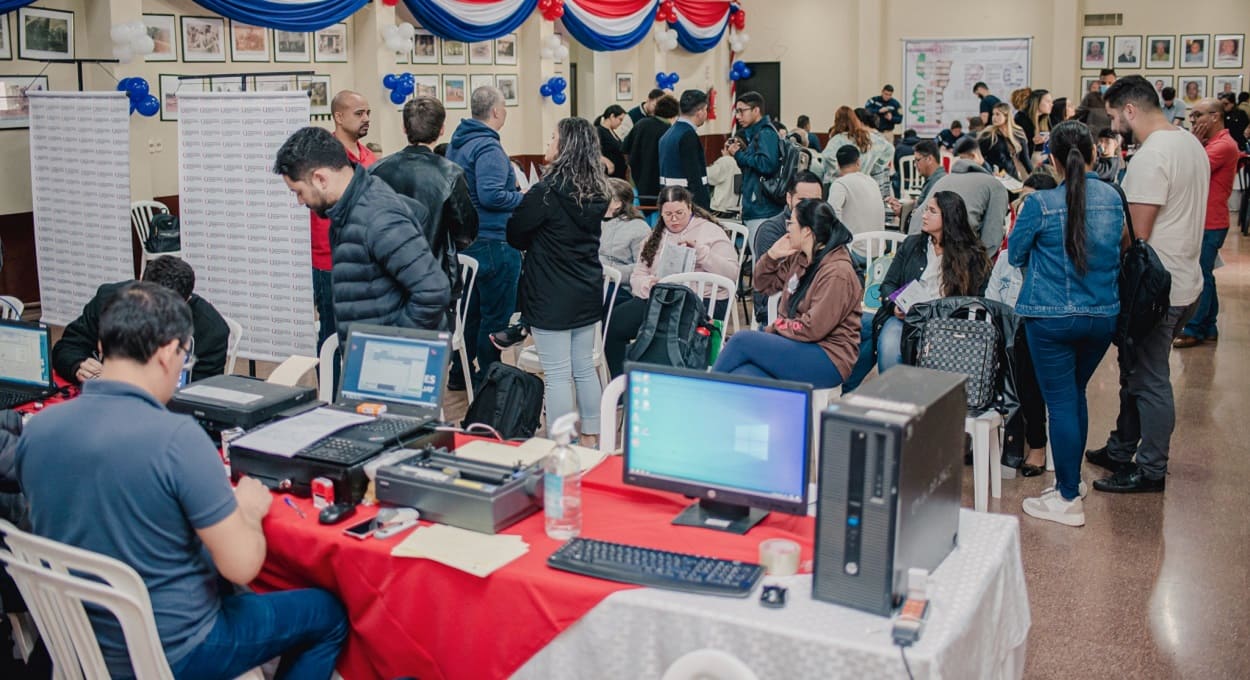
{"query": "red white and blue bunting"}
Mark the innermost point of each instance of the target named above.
(471, 20)
(608, 25)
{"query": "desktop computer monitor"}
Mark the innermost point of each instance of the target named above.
(740, 445)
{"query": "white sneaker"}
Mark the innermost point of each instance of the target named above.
(1053, 507)
(1082, 490)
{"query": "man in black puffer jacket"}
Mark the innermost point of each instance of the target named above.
(436, 183)
(384, 271)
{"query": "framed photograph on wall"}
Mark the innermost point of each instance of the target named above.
(45, 34)
(482, 53)
(424, 47)
(1160, 51)
(1228, 50)
(455, 91)
(330, 44)
(505, 50)
(507, 84)
(318, 89)
(162, 30)
(425, 86)
(1194, 50)
(477, 80)
(1088, 84)
(1161, 82)
(455, 52)
(1094, 51)
(264, 83)
(248, 43)
(227, 84)
(6, 41)
(1192, 88)
(170, 87)
(624, 87)
(1226, 84)
(14, 106)
(292, 47)
(203, 39)
(1127, 51)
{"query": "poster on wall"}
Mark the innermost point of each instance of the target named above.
(80, 183)
(938, 76)
(45, 34)
(242, 229)
(14, 105)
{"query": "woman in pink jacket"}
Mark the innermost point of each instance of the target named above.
(681, 223)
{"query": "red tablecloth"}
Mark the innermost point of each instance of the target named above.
(68, 391)
(420, 618)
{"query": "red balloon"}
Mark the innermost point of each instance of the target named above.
(558, 11)
(390, 3)
(544, 5)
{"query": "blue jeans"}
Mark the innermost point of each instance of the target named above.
(1202, 325)
(768, 355)
(568, 359)
(1065, 352)
(494, 298)
(307, 627)
(323, 300)
(890, 344)
(867, 355)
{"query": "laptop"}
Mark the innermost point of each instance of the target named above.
(25, 363)
(402, 368)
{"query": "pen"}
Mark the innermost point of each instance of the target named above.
(291, 504)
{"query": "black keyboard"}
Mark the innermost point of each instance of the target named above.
(11, 399)
(657, 568)
(394, 427)
(340, 451)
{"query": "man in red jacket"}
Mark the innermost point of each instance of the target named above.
(351, 124)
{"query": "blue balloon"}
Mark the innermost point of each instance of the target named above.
(559, 98)
(389, 81)
(659, 77)
(739, 65)
(148, 106)
(558, 83)
(398, 97)
(407, 78)
(544, 90)
(746, 71)
(734, 75)
(123, 84)
(405, 86)
(674, 77)
(137, 89)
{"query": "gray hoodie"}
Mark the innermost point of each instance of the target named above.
(984, 196)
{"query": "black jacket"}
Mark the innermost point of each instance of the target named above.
(439, 186)
(908, 264)
(682, 159)
(643, 146)
(82, 336)
(998, 154)
(384, 271)
(614, 151)
(561, 277)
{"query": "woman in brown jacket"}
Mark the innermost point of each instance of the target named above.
(815, 338)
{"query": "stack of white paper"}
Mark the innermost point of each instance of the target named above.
(468, 551)
(289, 436)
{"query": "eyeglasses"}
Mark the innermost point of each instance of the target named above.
(188, 359)
(674, 214)
(739, 110)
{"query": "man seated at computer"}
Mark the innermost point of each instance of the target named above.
(153, 494)
(75, 357)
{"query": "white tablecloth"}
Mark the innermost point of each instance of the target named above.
(977, 626)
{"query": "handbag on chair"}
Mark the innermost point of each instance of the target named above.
(165, 235)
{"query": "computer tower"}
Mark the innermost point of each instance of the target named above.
(891, 468)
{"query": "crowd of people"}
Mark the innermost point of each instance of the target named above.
(386, 234)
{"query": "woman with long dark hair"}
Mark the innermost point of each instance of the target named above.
(1034, 120)
(945, 259)
(624, 231)
(1068, 241)
(560, 294)
(1004, 146)
(681, 224)
(613, 152)
(815, 337)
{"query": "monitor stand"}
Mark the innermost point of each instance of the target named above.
(736, 519)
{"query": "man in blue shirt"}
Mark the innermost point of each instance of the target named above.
(759, 156)
(682, 159)
(153, 494)
(475, 147)
(887, 109)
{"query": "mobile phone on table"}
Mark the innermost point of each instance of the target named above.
(362, 530)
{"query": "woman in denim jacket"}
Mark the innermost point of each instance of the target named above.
(1069, 238)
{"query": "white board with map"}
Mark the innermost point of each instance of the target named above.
(938, 76)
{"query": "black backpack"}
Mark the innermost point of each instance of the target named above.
(775, 187)
(509, 400)
(1145, 291)
(164, 235)
(676, 330)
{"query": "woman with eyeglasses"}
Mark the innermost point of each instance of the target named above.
(681, 224)
(815, 337)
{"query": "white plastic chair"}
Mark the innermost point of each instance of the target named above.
(232, 343)
(737, 233)
(910, 181)
(707, 286)
(141, 213)
(41, 569)
(325, 369)
(986, 430)
(874, 244)
(527, 358)
(11, 308)
(774, 301)
(290, 371)
(709, 664)
(612, 394)
(468, 278)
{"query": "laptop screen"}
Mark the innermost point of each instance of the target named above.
(25, 355)
(394, 365)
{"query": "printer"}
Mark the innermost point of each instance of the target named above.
(221, 402)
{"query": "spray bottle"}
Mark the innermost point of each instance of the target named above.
(562, 482)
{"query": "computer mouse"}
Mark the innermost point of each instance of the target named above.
(333, 514)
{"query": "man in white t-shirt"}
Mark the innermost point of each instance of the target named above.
(856, 197)
(1166, 186)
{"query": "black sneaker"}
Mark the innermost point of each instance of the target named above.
(1132, 480)
(1102, 458)
(512, 335)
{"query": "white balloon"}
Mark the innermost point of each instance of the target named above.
(143, 45)
(395, 43)
(562, 52)
(120, 33)
(389, 32)
(547, 53)
(407, 30)
(744, 37)
(554, 41)
(122, 53)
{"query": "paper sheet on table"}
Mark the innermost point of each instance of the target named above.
(1011, 183)
(528, 453)
(291, 435)
(468, 551)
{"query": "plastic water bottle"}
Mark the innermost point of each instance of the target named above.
(562, 482)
